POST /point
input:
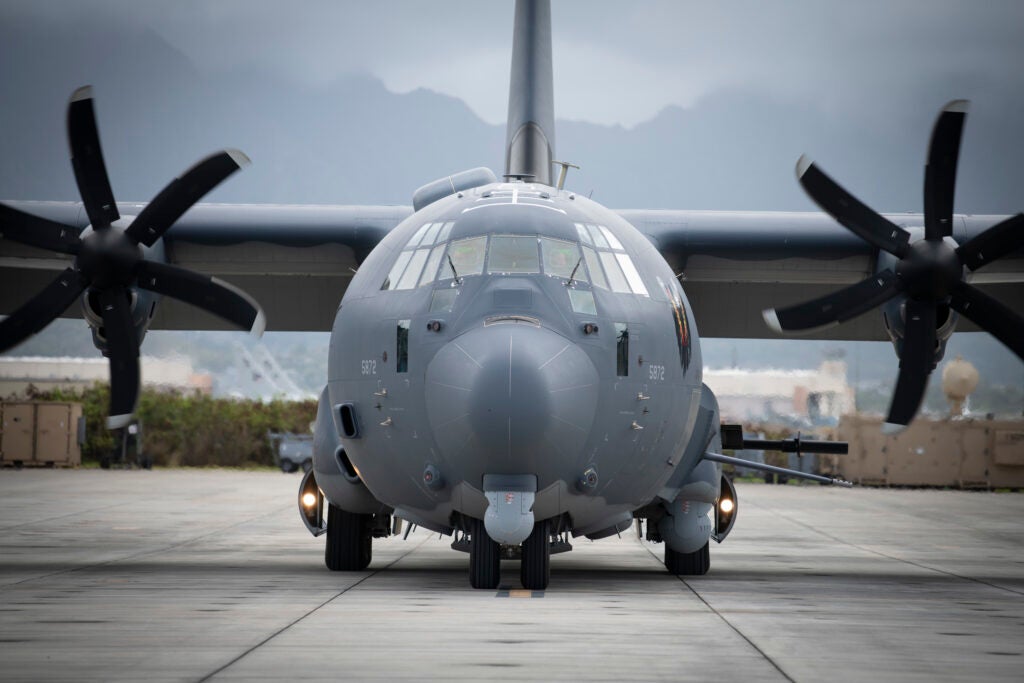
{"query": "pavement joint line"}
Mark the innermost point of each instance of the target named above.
(143, 553)
(721, 616)
(886, 555)
(323, 604)
(70, 514)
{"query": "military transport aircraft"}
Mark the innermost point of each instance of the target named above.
(512, 363)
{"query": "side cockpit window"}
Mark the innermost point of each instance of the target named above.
(418, 261)
(609, 264)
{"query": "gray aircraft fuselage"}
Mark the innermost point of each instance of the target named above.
(592, 385)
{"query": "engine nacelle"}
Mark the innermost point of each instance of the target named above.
(143, 302)
(894, 316)
(143, 305)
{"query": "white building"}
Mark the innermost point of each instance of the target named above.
(746, 395)
(17, 373)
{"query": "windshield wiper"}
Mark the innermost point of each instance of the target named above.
(455, 274)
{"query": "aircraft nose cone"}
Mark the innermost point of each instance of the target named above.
(511, 398)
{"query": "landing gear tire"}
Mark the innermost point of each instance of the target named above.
(484, 557)
(349, 544)
(535, 570)
(688, 564)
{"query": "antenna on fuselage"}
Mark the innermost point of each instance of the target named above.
(564, 172)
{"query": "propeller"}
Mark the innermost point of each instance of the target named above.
(929, 272)
(111, 262)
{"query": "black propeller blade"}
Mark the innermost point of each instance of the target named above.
(916, 362)
(209, 293)
(990, 315)
(87, 160)
(940, 171)
(41, 309)
(38, 232)
(929, 272)
(111, 262)
(181, 193)
(836, 307)
(999, 240)
(858, 218)
(123, 349)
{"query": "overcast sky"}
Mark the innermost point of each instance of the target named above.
(615, 62)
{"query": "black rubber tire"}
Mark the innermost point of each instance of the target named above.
(484, 557)
(307, 465)
(688, 564)
(535, 569)
(349, 544)
(287, 466)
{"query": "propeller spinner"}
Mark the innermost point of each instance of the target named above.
(111, 262)
(929, 272)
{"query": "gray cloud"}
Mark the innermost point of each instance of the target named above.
(616, 63)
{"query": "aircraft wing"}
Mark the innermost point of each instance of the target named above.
(734, 264)
(298, 260)
(295, 260)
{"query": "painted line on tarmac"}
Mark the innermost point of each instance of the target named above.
(885, 555)
(311, 612)
(721, 616)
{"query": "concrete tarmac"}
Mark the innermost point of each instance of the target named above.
(199, 575)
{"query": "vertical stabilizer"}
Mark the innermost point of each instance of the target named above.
(530, 140)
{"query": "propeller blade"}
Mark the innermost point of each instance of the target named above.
(940, 171)
(123, 349)
(916, 362)
(181, 193)
(836, 307)
(850, 212)
(87, 160)
(209, 293)
(990, 315)
(40, 310)
(996, 242)
(38, 232)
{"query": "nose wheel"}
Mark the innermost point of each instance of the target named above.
(535, 570)
(696, 563)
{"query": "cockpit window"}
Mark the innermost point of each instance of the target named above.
(614, 272)
(609, 265)
(561, 259)
(636, 283)
(391, 282)
(513, 254)
(584, 234)
(594, 266)
(408, 272)
(430, 271)
(467, 256)
(411, 276)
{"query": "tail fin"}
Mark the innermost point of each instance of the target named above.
(530, 140)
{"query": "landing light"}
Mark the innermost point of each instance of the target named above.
(726, 505)
(309, 499)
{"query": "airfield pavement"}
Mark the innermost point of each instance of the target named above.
(196, 575)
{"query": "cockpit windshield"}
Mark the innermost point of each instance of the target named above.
(598, 258)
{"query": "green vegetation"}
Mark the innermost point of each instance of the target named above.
(191, 430)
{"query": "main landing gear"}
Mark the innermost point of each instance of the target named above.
(696, 563)
(349, 540)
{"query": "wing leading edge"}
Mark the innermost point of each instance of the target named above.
(736, 264)
(295, 260)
